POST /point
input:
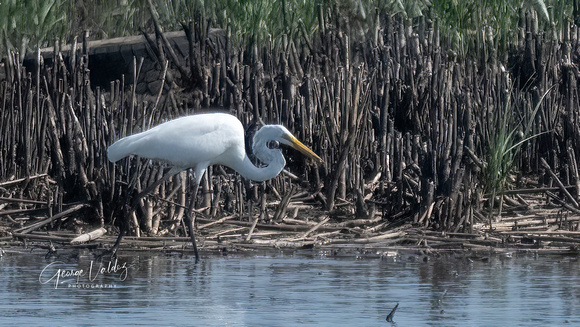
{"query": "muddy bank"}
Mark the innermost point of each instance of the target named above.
(533, 225)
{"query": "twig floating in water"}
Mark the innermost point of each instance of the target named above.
(392, 314)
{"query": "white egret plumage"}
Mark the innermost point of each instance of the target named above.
(199, 141)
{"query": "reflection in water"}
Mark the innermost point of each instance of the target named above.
(288, 290)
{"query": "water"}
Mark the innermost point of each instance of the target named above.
(310, 289)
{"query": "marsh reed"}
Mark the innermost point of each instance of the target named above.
(408, 130)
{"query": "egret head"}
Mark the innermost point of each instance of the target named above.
(280, 134)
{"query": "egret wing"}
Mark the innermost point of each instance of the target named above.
(185, 141)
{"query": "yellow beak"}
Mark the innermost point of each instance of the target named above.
(302, 148)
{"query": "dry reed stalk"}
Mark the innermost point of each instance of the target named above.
(393, 104)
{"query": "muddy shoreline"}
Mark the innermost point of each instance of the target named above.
(531, 224)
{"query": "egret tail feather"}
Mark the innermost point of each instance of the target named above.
(119, 149)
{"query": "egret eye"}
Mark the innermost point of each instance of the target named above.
(273, 144)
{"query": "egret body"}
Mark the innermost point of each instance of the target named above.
(199, 141)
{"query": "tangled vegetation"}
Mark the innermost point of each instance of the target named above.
(468, 26)
(425, 112)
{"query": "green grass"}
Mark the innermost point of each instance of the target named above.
(25, 24)
(468, 27)
(507, 133)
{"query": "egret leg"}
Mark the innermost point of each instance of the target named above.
(188, 219)
(134, 201)
(123, 229)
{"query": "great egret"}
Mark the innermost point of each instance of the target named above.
(199, 141)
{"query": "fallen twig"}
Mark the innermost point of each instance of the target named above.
(317, 226)
(86, 237)
(47, 221)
